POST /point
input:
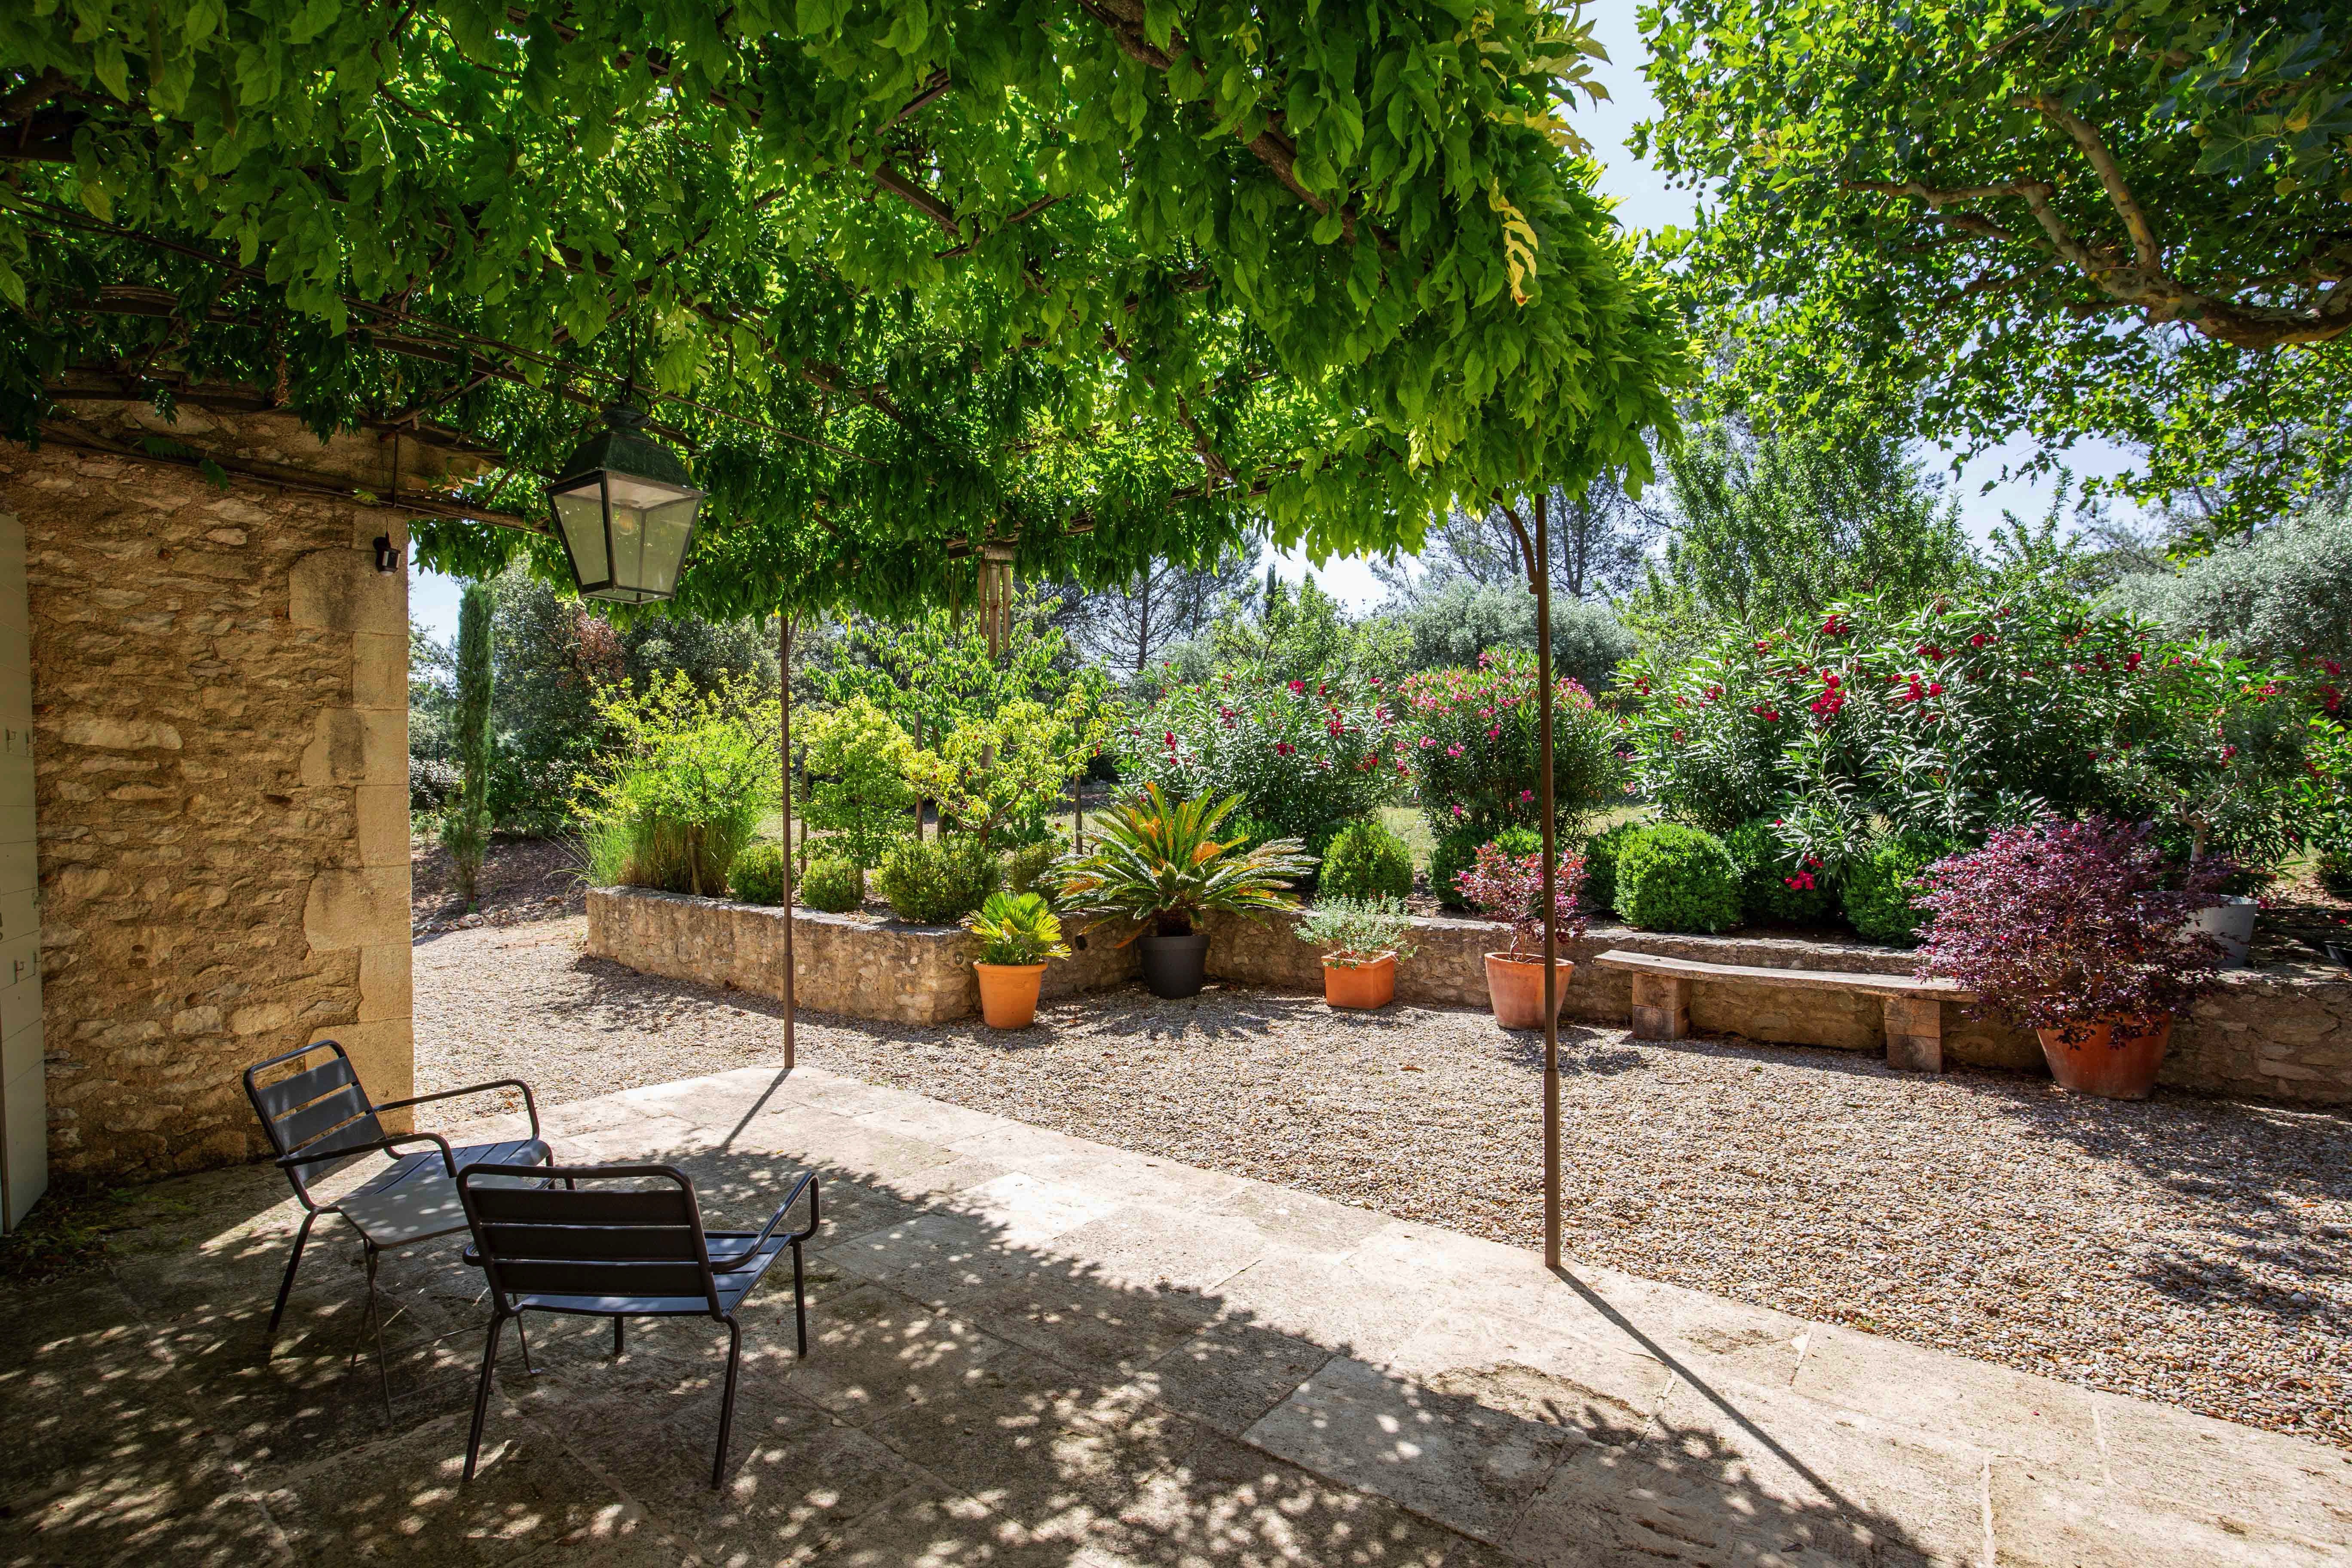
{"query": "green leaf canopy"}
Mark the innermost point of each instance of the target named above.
(1104, 279)
(2125, 218)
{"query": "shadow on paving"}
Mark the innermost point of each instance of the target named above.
(971, 1396)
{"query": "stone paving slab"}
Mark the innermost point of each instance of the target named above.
(1026, 1347)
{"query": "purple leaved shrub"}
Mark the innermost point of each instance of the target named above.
(1509, 887)
(2059, 925)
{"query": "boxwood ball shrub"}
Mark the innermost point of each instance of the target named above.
(1025, 864)
(1601, 864)
(1366, 860)
(1453, 854)
(938, 881)
(1880, 892)
(833, 884)
(1673, 877)
(1778, 883)
(758, 875)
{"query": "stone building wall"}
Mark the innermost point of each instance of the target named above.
(220, 688)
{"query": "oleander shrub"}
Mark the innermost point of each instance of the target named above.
(1777, 882)
(1601, 864)
(1881, 892)
(758, 875)
(1475, 745)
(1026, 865)
(938, 881)
(832, 883)
(1366, 860)
(1673, 877)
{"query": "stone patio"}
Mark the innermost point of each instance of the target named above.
(1032, 1349)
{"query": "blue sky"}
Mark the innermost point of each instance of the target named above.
(1644, 202)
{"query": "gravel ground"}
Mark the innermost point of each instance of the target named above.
(2187, 1250)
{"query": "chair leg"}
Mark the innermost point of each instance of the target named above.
(286, 1286)
(727, 1404)
(524, 1340)
(482, 1389)
(799, 1302)
(376, 1322)
(617, 1321)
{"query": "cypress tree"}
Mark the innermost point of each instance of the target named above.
(466, 827)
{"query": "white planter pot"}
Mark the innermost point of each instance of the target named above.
(2230, 923)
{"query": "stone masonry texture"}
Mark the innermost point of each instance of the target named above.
(2283, 1033)
(220, 689)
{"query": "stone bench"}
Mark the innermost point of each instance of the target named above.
(1915, 1007)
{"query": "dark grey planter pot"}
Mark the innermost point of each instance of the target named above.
(1175, 967)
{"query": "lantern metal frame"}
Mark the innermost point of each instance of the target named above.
(622, 448)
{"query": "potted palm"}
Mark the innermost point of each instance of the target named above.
(1017, 934)
(1161, 867)
(1362, 940)
(2078, 931)
(1509, 887)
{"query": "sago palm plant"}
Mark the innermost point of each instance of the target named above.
(1163, 866)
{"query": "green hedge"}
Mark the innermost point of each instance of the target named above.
(1878, 891)
(1366, 860)
(938, 881)
(1767, 868)
(1601, 853)
(833, 884)
(758, 875)
(1672, 878)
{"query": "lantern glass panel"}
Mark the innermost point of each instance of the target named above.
(580, 512)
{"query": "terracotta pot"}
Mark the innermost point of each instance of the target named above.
(1370, 983)
(1008, 993)
(2117, 1060)
(1515, 990)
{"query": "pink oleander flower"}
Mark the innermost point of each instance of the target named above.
(1453, 751)
(1427, 741)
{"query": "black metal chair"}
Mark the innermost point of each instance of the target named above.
(603, 1251)
(320, 1118)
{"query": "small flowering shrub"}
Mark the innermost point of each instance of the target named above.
(2059, 925)
(1304, 756)
(1507, 887)
(1949, 722)
(1474, 741)
(1880, 891)
(1366, 860)
(1777, 883)
(1673, 877)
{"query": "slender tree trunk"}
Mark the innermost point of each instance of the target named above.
(1143, 624)
(1550, 893)
(784, 766)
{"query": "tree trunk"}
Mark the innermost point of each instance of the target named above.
(1550, 890)
(785, 762)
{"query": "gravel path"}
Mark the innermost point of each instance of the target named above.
(2187, 1250)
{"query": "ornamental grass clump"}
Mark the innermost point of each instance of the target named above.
(1356, 931)
(2063, 925)
(1507, 887)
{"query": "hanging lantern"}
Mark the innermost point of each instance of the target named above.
(625, 511)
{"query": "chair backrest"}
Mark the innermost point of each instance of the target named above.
(315, 1111)
(632, 1242)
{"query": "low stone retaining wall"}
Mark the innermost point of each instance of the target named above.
(2282, 1033)
(841, 964)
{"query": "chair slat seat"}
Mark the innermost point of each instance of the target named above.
(414, 1200)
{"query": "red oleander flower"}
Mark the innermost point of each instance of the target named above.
(1935, 689)
(1801, 882)
(1298, 688)
(1980, 639)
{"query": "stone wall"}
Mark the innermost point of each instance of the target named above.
(841, 964)
(2276, 1034)
(220, 686)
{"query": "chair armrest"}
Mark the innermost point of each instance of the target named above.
(807, 1184)
(528, 1104)
(387, 1145)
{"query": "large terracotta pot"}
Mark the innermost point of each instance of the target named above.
(2117, 1060)
(1370, 983)
(1515, 990)
(1008, 993)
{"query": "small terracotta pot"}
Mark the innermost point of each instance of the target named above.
(1515, 990)
(1370, 983)
(1008, 993)
(2117, 1060)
